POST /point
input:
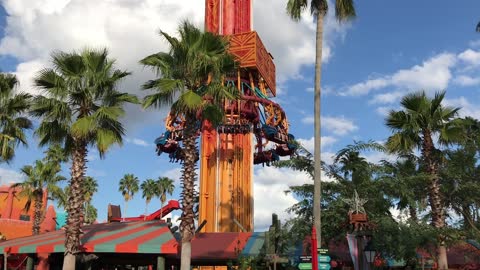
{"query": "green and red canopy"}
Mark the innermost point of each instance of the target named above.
(150, 237)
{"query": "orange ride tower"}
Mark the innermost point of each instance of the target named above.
(227, 152)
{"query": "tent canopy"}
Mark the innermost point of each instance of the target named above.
(124, 237)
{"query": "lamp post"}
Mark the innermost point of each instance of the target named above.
(370, 254)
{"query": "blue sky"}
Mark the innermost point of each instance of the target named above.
(390, 49)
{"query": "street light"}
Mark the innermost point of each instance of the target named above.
(370, 254)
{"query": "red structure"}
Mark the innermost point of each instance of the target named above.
(116, 217)
(15, 221)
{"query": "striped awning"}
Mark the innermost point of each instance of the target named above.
(151, 237)
(254, 244)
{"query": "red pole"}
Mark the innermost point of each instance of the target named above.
(314, 249)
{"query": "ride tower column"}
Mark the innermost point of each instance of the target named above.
(226, 155)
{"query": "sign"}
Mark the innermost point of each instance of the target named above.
(305, 266)
(324, 266)
(305, 259)
(322, 250)
(323, 259)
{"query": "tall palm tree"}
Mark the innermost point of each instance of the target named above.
(415, 127)
(344, 10)
(81, 108)
(149, 190)
(165, 186)
(39, 178)
(128, 186)
(190, 71)
(13, 123)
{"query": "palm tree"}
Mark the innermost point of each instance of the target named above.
(13, 123)
(344, 10)
(40, 177)
(415, 127)
(90, 186)
(128, 186)
(191, 71)
(81, 108)
(149, 190)
(165, 186)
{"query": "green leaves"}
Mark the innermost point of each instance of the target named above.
(82, 102)
(13, 122)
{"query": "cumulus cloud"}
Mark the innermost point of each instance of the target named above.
(465, 80)
(8, 176)
(467, 108)
(390, 97)
(137, 141)
(336, 125)
(309, 144)
(470, 57)
(433, 74)
(129, 29)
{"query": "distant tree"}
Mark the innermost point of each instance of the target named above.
(128, 186)
(39, 178)
(165, 186)
(90, 187)
(80, 108)
(91, 214)
(420, 121)
(149, 190)
(13, 122)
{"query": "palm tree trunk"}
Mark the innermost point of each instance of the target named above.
(161, 209)
(317, 196)
(187, 225)
(146, 207)
(438, 217)
(37, 220)
(413, 213)
(75, 205)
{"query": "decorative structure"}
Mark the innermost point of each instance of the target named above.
(15, 221)
(252, 124)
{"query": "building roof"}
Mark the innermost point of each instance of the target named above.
(124, 237)
(226, 246)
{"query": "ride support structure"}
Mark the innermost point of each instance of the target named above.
(254, 129)
(227, 152)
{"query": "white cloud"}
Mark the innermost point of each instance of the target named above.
(174, 174)
(8, 176)
(465, 80)
(470, 57)
(310, 89)
(138, 142)
(432, 74)
(336, 125)
(383, 110)
(467, 108)
(389, 97)
(309, 144)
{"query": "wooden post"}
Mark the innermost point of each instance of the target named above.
(160, 263)
(5, 258)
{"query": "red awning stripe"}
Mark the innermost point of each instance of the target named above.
(132, 244)
(90, 233)
(31, 239)
(155, 237)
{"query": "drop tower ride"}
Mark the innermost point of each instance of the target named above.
(254, 129)
(229, 152)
